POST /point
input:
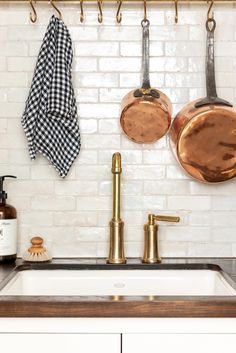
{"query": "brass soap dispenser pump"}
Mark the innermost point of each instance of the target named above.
(116, 251)
(151, 253)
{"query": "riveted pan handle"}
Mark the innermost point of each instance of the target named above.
(211, 98)
(146, 87)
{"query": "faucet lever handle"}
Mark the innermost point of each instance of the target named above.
(152, 218)
(151, 253)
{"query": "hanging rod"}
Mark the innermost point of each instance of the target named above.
(124, 1)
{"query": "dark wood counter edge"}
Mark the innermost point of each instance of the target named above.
(127, 307)
(107, 306)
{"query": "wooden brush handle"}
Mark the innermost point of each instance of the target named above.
(36, 245)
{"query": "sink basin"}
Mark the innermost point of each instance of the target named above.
(135, 282)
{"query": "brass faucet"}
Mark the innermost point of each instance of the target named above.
(116, 250)
(151, 249)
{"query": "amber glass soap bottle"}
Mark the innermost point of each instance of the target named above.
(8, 226)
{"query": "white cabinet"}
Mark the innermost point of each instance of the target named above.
(60, 343)
(178, 343)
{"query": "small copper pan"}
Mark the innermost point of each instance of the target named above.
(146, 112)
(203, 134)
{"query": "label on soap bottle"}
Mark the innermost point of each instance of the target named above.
(8, 237)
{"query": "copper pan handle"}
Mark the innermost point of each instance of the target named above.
(145, 55)
(211, 98)
(146, 86)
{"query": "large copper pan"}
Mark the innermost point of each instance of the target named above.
(146, 112)
(203, 134)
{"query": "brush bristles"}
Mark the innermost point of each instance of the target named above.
(37, 257)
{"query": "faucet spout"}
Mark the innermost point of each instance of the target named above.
(116, 171)
(116, 251)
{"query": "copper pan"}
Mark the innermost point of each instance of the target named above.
(146, 112)
(203, 134)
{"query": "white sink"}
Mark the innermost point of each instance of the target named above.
(118, 283)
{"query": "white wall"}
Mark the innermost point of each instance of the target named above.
(73, 214)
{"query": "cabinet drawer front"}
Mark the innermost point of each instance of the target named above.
(61, 343)
(178, 343)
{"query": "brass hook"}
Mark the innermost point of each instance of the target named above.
(210, 17)
(119, 14)
(145, 10)
(176, 11)
(33, 17)
(100, 15)
(57, 10)
(81, 2)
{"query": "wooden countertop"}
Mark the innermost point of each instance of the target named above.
(125, 306)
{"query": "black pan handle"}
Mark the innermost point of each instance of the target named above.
(146, 89)
(211, 97)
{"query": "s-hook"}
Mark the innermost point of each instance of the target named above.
(56, 8)
(100, 14)
(176, 11)
(81, 3)
(33, 16)
(210, 16)
(119, 14)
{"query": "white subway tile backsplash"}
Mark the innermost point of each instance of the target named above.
(82, 219)
(10, 79)
(178, 233)
(3, 125)
(109, 126)
(100, 141)
(117, 33)
(224, 203)
(73, 214)
(119, 65)
(87, 157)
(96, 49)
(141, 172)
(14, 49)
(189, 202)
(157, 157)
(166, 187)
(86, 95)
(95, 80)
(135, 49)
(95, 203)
(85, 64)
(35, 218)
(46, 172)
(112, 94)
(88, 126)
(127, 188)
(99, 110)
(76, 188)
(128, 157)
(55, 203)
(96, 172)
(30, 187)
(208, 249)
(79, 33)
(188, 80)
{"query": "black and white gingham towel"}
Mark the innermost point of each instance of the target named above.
(50, 117)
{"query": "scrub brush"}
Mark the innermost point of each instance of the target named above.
(37, 253)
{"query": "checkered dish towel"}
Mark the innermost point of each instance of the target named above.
(50, 117)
